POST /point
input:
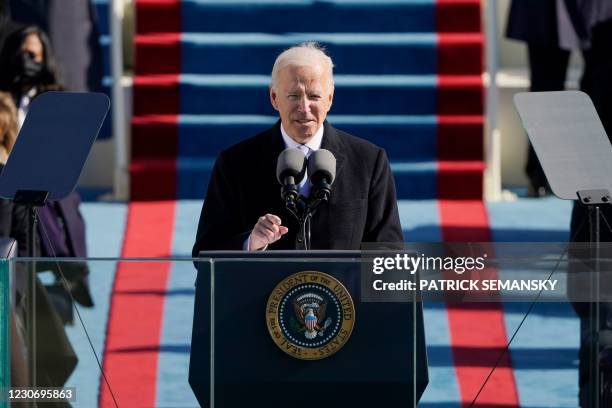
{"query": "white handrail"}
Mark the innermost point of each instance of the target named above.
(493, 187)
(120, 176)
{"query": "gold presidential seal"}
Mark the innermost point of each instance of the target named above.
(310, 315)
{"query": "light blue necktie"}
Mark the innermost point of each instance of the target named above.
(304, 186)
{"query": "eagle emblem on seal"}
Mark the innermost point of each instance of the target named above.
(309, 310)
(310, 315)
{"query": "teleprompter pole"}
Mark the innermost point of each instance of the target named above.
(593, 199)
(31, 200)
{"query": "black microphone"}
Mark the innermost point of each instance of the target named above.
(290, 170)
(321, 172)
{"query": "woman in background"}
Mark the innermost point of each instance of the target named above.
(8, 134)
(27, 67)
(8, 126)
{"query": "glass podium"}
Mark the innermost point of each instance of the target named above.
(251, 334)
(231, 329)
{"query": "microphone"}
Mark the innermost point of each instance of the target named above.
(290, 170)
(322, 172)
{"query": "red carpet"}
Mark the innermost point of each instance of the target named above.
(133, 332)
(136, 314)
(156, 100)
(478, 333)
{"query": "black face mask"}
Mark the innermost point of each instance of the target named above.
(30, 70)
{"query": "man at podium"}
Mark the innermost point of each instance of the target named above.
(243, 208)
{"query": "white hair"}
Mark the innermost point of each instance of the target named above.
(309, 53)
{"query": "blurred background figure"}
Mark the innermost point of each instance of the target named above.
(597, 76)
(8, 126)
(72, 28)
(547, 28)
(27, 67)
(6, 24)
(552, 29)
(8, 134)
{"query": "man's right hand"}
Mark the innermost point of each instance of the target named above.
(267, 231)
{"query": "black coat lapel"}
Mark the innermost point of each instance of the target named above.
(333, 143)
(271, 147)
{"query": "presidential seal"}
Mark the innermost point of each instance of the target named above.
(310, 315)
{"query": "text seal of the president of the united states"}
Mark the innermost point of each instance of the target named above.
(310, 315)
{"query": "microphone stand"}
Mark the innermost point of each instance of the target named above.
(288, 194)
(321, 193)
(303, 211)
(290, 169)
(303, 240)
(297, 207)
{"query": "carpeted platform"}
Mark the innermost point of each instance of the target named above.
(409, 78)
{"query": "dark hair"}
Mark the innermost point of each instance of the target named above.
(9, 62)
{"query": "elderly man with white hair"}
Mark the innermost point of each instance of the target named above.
(243, 208)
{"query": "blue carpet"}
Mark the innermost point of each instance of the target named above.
(388, 53)
(298, 16)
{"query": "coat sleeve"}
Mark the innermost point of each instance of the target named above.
(382, 223)
(219, 227)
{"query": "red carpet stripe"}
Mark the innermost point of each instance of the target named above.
(156, 94)
(154, 142)
(477, 330)
(156, 100)
(460, 180)
(157, 16)
(158, 53)
(460, 137)
(154, 136)
(454, 16)
(134, 327)
(460, 53)
(136, 313)
(460, 95)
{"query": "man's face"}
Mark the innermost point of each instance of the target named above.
(302, 96)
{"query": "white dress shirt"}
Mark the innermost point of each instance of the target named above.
(24, 106)
(313, 144)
